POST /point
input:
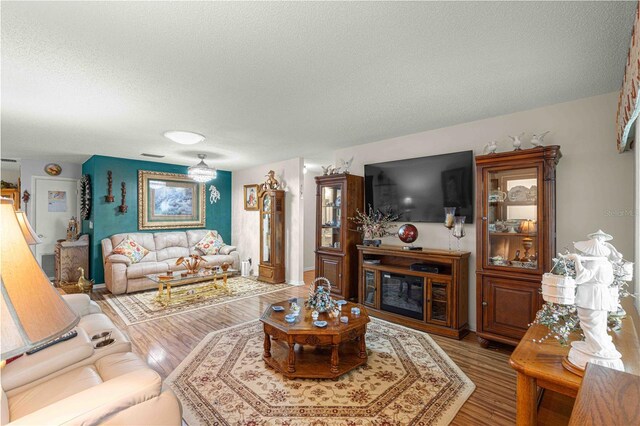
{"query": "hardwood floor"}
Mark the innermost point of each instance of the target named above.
(165, 342)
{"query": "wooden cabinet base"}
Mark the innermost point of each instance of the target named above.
(483, 342)
(420, 325)
(270, 274)
(314, 362)
(424, 289)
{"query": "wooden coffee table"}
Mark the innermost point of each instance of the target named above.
(337, 348)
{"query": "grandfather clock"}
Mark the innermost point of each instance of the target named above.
(271, 268)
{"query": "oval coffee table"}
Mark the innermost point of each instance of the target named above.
(337, 348)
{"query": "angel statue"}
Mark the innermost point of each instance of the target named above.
(595, 297)
(517, 141)
(538, 139)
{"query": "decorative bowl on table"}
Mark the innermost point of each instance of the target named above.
(224, 267)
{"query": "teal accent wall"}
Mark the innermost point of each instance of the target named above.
(106, 218)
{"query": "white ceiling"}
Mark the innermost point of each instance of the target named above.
(271, 81)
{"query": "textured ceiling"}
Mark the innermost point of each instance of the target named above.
(270, 81)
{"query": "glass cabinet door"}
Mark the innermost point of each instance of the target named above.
(369, 287)
(438, 299)
(512, 218)
(331, 220)
(266, 229)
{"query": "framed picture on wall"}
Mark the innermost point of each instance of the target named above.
(251, 197)
(170, 200)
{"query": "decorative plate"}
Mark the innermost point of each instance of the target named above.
(518, 193)
(53, 169)
(320, 323)
(277, 308)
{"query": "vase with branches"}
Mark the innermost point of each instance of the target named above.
(374, 225)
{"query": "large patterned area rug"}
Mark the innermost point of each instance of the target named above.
(143, 306)
(408, 380)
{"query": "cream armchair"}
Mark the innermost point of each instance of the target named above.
(73, 382)
(116, 389)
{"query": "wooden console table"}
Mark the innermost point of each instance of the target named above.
(607, 397)
(435, 302)
(540, 365)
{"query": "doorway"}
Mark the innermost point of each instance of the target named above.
(55, 202)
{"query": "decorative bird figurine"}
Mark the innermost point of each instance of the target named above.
(84, 284)
(537, 140)
(327, 170)
(490, 148)
(517, 142)
(344, 166)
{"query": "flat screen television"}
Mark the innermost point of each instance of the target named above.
(418, 189)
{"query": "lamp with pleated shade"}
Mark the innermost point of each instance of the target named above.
(28, 232)
(31, 310)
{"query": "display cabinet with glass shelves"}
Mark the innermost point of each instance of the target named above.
(515, 202)
(337, 198)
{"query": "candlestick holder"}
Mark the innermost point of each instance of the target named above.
(449, 214)
(458, 228)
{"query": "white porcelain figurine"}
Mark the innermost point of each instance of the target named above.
(594, 299)
(517, 141)
(538, 139)
(490, 148)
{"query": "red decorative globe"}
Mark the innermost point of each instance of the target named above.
(408, 233)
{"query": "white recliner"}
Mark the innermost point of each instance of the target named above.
(73, 382)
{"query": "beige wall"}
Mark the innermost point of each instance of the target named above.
(595, 184)
(10, 172)
(310, 220)
(245, 225)
(636, 212)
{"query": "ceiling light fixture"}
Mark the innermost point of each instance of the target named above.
(201, 172)
(184, 138)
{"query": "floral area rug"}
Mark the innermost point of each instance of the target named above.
(143, 306)
(408, 380)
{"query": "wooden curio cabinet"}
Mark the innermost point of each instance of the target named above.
(516, 238)
(271, 267)
(337, 198)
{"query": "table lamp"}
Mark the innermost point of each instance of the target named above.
(527, 227)
(31, 310)
(28, 232)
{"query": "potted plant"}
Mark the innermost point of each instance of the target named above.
(374, 225)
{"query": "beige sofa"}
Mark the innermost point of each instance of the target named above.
(121, 276)
(75, 383)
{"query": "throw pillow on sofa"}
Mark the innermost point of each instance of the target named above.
(210, 244)
(131, 249)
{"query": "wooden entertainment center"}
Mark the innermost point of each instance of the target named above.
(425, 289)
